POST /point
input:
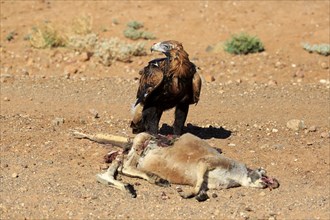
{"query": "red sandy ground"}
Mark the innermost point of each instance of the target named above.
(45, 173)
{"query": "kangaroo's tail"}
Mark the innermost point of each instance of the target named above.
(120, 141)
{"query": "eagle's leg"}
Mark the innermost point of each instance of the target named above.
(181, 112)
(151, 117)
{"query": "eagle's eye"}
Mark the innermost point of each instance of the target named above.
(166, 47)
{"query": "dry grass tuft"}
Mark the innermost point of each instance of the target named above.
(46, 36)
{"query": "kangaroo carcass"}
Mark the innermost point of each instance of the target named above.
(184, 160)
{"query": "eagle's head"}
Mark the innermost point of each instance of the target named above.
(170, 48)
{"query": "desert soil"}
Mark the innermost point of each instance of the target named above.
(245, 104)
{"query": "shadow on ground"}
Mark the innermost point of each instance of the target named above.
(201, 132)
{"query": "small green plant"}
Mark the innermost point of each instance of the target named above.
(11, 36)
(133, 31)
(135, 25)
(243, 44)
(323, 49)
(115, 21)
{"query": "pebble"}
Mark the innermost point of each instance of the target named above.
(295, 124)
(249, 209)
(164, 196)
(6, 99)
(58, 121)
(94, 112)
(14, 175)
(272, 82)
(262, 193)
(299, 74)
(324, 81)
(231, 145)
(83, 57)
(325, 65)
(274, 130)
(69, 70)
(309, 143)
(311, 129)
(278, 64)
(208, 77)
(325, 134)
(6, 77)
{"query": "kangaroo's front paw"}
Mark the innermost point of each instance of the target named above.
(186, 195)
(162, 182)
(202, 196)
(130, 190)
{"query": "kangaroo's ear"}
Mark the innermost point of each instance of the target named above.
(256, 174)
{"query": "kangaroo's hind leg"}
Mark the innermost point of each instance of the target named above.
(108, 178)
(130, 169)
(199, 191)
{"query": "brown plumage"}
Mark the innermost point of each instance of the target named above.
(166, 83)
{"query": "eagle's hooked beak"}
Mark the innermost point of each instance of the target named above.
(160, 47)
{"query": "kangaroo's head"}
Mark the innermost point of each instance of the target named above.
(259, 179)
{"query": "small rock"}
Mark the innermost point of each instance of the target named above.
(7, 78)
(164, 196)
(325, 134)
(264, 146)
(244, 215)
(94, 113)
(25, 72)
(14, 175)
(214, 195)
(272, 82)
(209, 78)
(249, 209)
(231, 145)
(312, 129)
(295, 124)
(278, 64)
(84, 56)
(6, 99)
(309, 143)
(299, 74)
(179, 189)
(274, 130)
(69, 70)
(262, 193)
(325, 65)
(324, 81)
(58, 121)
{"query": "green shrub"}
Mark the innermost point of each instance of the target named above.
(323, 49)
(11, 36)
(243, 44)
(133, 32)
(135, 25)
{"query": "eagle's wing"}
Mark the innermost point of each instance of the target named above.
(196, 86)
(151, 78)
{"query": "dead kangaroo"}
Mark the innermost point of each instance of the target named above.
(186, 160)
